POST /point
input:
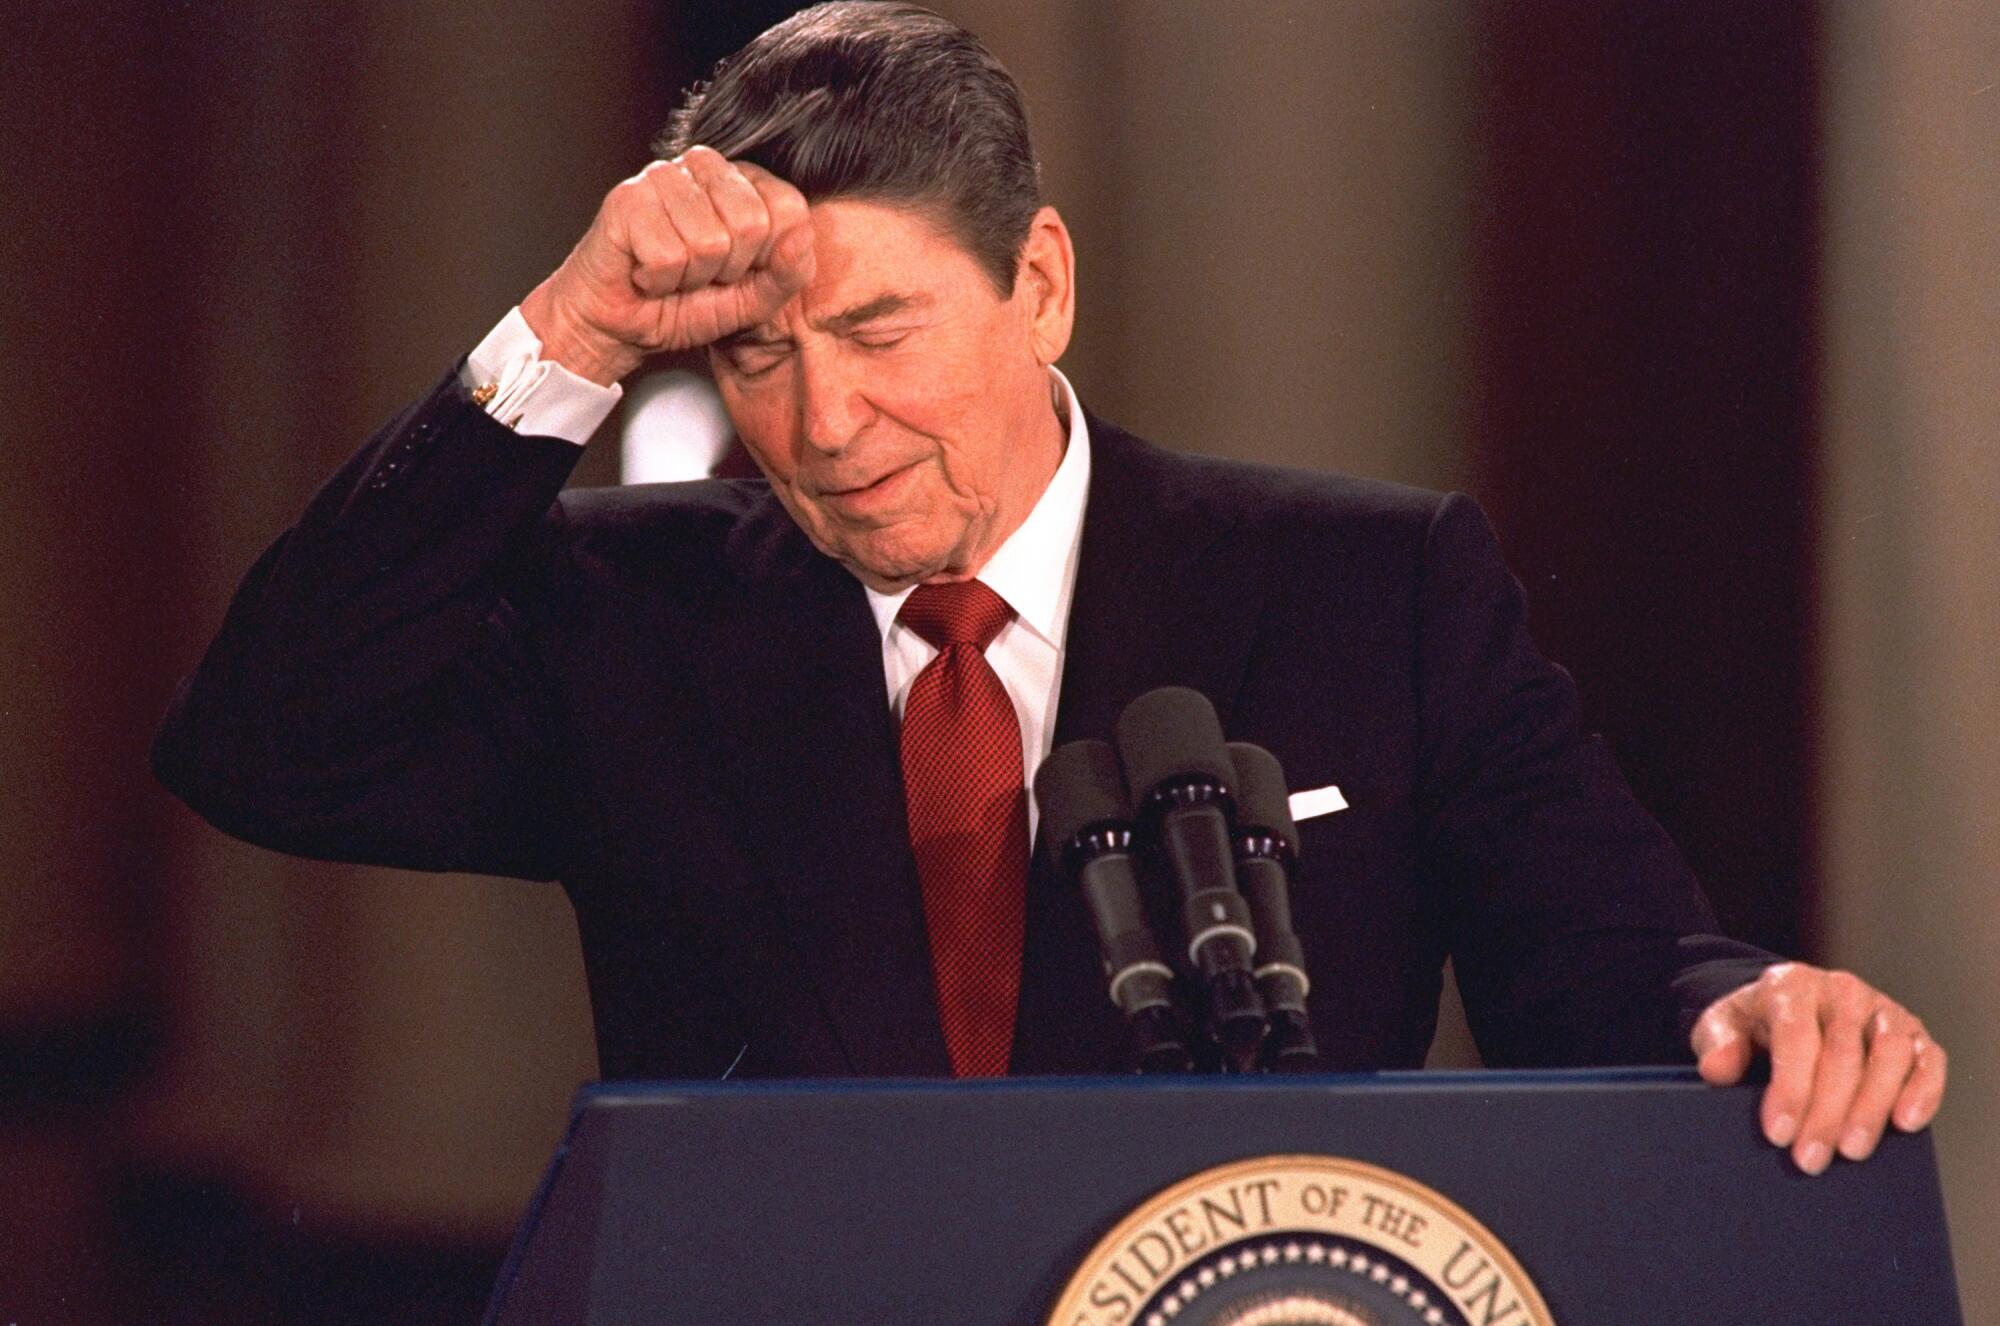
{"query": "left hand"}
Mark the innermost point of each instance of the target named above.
(1845, 1060)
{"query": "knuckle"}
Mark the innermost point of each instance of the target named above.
(1853, 1010)
(626, 194)
(661, 247)
(739, 218)
(1842, 1037)
(1895, 1053)
(738, 212)
(1783, 1010)
(660, 263)
(1850, 991)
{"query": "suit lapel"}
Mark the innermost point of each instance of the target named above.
(1163, 598)
(812, 755)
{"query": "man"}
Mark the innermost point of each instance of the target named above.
(772, 736)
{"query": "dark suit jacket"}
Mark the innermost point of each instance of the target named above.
(667, 699)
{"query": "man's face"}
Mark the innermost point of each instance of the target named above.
(900, 407)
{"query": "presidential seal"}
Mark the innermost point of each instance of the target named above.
(1299, 1241)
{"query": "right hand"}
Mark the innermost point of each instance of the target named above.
(682, 254)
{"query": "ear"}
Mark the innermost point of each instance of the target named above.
(1046, 282)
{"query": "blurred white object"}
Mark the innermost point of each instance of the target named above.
(675, 428)
(1316, 801)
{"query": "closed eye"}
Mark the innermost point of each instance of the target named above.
(752, 359)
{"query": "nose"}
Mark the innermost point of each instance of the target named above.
(832, 409)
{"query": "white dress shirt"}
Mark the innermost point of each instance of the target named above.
(531, 394)
(1034, 570)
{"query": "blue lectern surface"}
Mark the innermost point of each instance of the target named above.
(1635, 1196)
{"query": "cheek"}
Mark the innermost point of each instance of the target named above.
(947, 395)
(763, 430)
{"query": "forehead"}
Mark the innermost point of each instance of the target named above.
(865, 249)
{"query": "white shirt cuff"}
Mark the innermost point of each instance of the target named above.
(531, 394)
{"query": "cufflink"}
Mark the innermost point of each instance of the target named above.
(484, 393)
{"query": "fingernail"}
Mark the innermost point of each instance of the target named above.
(1855, 1144)
(1907, 1121)
(1815, 1157)
(1782, 1129)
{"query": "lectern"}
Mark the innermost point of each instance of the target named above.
(1463, 1199)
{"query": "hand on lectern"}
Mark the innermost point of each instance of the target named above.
(1846, 1060)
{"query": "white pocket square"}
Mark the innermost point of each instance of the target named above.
(1315, 801)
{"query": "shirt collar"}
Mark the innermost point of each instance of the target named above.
(1035, 569)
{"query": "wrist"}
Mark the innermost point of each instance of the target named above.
(589, 354)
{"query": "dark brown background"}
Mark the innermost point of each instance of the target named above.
(1695, 297)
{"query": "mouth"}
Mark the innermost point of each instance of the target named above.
(874, 490)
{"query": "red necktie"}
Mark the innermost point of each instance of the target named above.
(968, 820)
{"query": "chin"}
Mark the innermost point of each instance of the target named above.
(898, 563)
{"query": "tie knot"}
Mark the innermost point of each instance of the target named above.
(963, 612)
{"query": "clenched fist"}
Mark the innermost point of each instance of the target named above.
(684, 253)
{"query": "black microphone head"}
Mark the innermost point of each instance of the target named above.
(1078, 786)
(1262, 803)
(1172, 733)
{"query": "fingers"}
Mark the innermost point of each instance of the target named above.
(703, 239)
(707, 223)
(690, 250)
(1892, 1052)
(787, 255)
(1846, 1061)
(792, 263)
(1918, 1102)
(1722, 1043)
(658, 254)
(682, 253)
(784, 264)
(737, 204)
(1844, 1007)
(1787, 1023)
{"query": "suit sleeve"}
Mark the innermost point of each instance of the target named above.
(375, 693)
(1578, 932)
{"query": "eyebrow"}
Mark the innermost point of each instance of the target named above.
(846, 320)
(879, 307)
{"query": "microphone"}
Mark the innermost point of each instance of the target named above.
(1267, 852)
(1088, 824)
(1179, 772)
